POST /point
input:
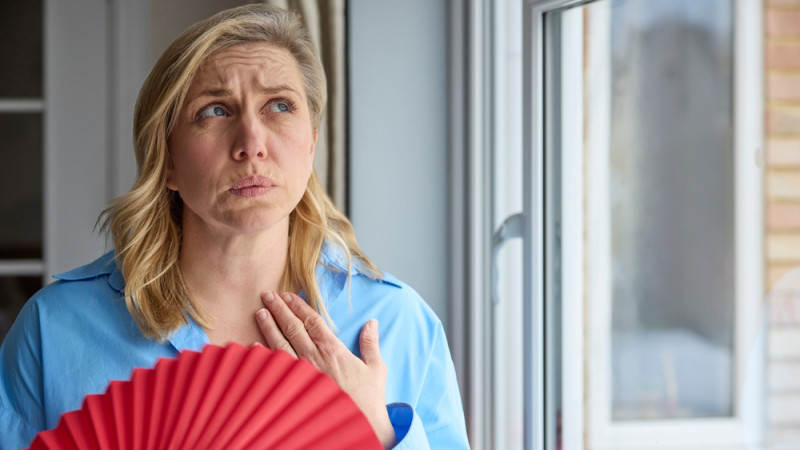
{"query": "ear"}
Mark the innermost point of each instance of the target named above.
(314, 144)
(311, 153)
(170, 183)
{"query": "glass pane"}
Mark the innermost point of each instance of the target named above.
(672, 208)
(21, 49)
(14, 291)
(640, 94)
(21, 184)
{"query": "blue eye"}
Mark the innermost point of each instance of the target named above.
(280, 107)
(213, 111)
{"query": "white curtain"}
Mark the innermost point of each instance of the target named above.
(325, 22)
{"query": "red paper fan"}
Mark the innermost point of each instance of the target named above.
(221, 398)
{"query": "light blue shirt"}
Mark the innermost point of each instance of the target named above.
(76, 335)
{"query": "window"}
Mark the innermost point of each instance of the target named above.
(21, 157)
(661, 194)
(629, 314)
(646, 192)
(63, 149)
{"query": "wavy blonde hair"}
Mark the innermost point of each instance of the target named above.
(145, 224)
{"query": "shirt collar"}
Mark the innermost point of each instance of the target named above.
(332, 257)
(102, 266)
(331, 274)
(189, 336)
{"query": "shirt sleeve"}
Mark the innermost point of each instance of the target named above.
(21, 412)
(16, 432)
(407, 427)
(438, 419)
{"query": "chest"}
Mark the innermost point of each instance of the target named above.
(243, 332)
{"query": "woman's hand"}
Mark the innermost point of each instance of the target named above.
(290, 324)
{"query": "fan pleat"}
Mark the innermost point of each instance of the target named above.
(163, 375)
(349, 429)
(184, 368)
(238, 402)
(220, 372)
(56, 439)
(237, 372)
(248, 414)
(196, 384)
(276, 401)
(77, 423)
(98, 410)
(316, 392)
(317, 427)
(120, 405)
(141, 404)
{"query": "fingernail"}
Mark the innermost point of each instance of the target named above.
(287, 297)
(373, 324)
(270, 296)
(261, 314)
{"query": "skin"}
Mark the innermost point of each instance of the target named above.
(242, 152)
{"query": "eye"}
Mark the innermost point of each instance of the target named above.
(212, 111)
(281, 106)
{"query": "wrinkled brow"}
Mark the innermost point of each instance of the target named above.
(222, 92)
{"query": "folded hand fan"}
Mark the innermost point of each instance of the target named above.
(221, 398)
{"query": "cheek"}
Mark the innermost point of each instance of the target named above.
(296, 153)
(187, 170)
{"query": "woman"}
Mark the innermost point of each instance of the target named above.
(226, 213)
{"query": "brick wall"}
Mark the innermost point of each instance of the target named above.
(782, 215)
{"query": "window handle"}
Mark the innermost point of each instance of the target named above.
(511, 228)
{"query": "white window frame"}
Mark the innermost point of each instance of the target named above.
(96, 57)
(745, 427)
(478, 77)
(75, 131)
(74, 112)
(24, 267)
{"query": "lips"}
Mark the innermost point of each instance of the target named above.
(251, 186)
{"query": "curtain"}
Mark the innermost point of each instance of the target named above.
(325, 22)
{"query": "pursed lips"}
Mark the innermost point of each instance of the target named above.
(251, 186)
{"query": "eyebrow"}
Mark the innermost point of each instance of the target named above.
(222, 92)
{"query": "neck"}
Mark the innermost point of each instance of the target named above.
(226, 276)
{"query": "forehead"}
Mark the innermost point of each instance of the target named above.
(260, 62)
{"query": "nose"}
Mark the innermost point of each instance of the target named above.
(250, 139)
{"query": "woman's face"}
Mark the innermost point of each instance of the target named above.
(242, 149)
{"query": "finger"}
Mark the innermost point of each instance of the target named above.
(291, 326)
(315, 325)
(370, 345)
(272, 334)
(329, 347)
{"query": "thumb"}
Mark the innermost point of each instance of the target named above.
(370, 346)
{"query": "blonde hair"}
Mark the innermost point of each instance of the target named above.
(145, 223)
